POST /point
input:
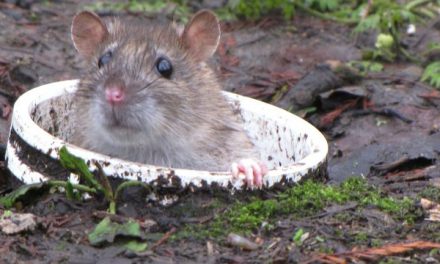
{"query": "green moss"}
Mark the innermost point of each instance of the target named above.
(61, 246)
(325, 250)
(343, 217)
(434, 252)
(430, 231)
(301, 201)
(376, 243)
(361, 237)
(431, 193)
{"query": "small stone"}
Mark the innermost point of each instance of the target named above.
(241, 242)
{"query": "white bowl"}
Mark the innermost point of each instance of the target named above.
(41, 125)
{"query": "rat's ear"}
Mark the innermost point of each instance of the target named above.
(87, 31)
(202, 35)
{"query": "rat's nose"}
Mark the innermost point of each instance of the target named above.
(114, 94)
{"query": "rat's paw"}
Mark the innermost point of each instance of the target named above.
(252, 170)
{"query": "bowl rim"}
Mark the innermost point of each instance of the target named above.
(44, 142)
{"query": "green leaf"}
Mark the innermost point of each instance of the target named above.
(21, 193)
(328, 5)
(106, 231)
(431, 74)
(78, 166)
(305, 111)
(297, 237)
(371, 22)
(136, 246)
(366, 66)
(30, 191)
(288, 11)
(433, 46)
(6, 214)
(385, 41)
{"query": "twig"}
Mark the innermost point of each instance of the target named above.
(384, 112)
(372, 253)
(392, 165)
(164, 238)
(348, 206)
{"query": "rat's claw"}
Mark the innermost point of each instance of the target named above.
(234, 170)
(252, 170)
(258, 177)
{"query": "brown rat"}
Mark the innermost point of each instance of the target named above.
(149, 96)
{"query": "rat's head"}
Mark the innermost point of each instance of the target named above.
(140, 76)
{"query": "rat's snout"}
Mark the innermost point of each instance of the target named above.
(114, 94)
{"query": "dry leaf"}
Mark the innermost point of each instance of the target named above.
(17, 223)
(432, 208)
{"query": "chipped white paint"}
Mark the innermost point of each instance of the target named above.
(288, 144)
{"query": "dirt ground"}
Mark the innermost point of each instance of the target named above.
(384, 127)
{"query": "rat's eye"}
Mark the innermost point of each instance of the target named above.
(164, 67)
(104, 59)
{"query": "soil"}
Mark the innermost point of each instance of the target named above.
(384, 128)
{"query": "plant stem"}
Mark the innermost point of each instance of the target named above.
(112, 207)
(103, 180)
(127, 184)
(79, 187)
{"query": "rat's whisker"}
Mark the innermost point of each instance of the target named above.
(148, 85)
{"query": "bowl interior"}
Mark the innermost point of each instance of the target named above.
(282, 139)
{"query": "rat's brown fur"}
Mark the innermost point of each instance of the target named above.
(183, 122)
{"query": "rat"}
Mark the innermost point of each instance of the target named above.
(148, 96)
